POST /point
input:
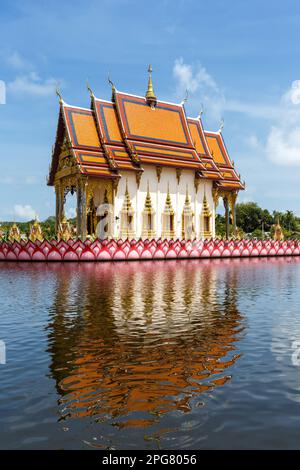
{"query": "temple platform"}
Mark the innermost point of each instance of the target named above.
(130, 250)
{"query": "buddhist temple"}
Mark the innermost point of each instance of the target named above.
(140, 168)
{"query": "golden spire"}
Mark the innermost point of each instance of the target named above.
(168, 204)
(205, 207)
(150, 95)
(187, 203)
(127, 203)
(148, 203)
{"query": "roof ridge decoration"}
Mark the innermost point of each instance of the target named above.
(186, 97)
(221, 125)
(150, 95)
(113, 88)
(107, 152)
(90, 90)
(58, 92)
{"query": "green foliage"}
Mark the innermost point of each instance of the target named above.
(220, 226)
(253, 219)
(249, 216)
(48, 227)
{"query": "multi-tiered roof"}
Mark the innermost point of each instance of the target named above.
(132, 131)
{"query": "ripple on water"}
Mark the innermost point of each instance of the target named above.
(178, 354)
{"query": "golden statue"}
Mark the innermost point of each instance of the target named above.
(35, 232)
(64, 230)
(2, 233)
(14, 234)
(278, 233)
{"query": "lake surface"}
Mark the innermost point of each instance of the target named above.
(184, 354)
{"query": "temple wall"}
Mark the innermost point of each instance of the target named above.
(158, 192)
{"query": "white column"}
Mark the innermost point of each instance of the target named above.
(158, 211)
(178, 218)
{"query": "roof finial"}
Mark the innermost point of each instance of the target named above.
(113, 88)
(201, 112)
(89, 89)
(221, 125)
(58, 92)
(150, 95)
(185, 98)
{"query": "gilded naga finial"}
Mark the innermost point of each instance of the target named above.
(89, 89)
(185, 98)
(113, 88)
(58, 92)
(201, 112)
(150, 95)
(221, 125)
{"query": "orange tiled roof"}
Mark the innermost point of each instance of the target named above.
(81, 127)
(127, 134)
(94, 163)
(158, 135)
(211, 170)
(110, 133)
(221, 158)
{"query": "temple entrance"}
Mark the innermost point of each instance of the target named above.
(69, 209)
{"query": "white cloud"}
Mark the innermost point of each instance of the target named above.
(2, 92)
(252, 141)
(32, 84)
(283, 141)
(16, 61)
(7, 180)
(207, 92)
(25, 212)
(192, 78)
(254, 110)
(199, 83)
(30, 180)
(283, 145)
(293, 94)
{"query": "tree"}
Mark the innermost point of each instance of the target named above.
(249, 216)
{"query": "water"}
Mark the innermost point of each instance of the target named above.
(177, 354)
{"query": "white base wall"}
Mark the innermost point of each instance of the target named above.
(158, 192)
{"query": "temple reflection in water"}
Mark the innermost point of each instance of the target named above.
(130, 342)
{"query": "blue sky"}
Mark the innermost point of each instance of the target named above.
(239, 59)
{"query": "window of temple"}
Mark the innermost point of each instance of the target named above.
(148, 229)
(127, 217)
(206, 216)
(168, 216)
(188, 231)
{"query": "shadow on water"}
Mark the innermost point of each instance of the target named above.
(132, 342)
